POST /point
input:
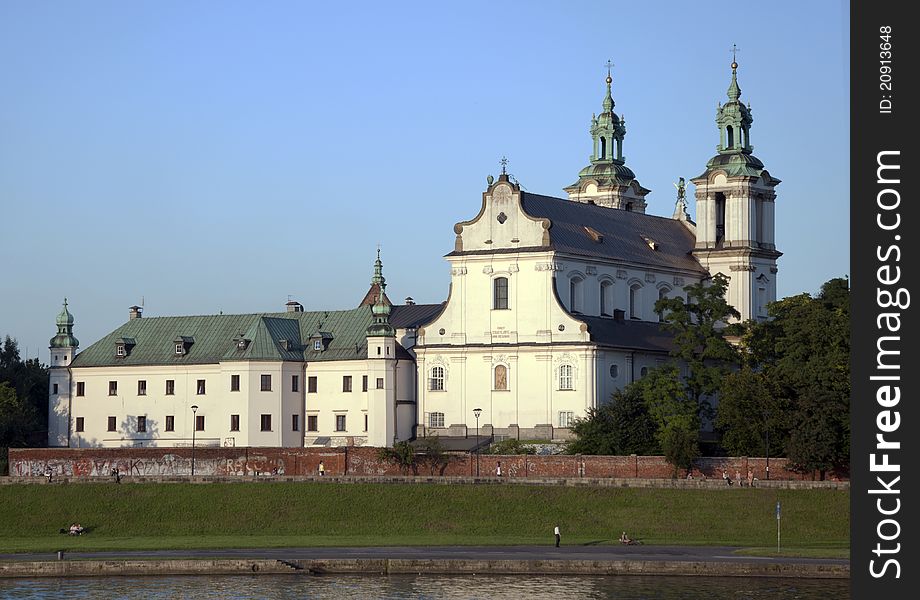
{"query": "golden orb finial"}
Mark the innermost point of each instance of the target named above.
(734, 66)
(609, 80)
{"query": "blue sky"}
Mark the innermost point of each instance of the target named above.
(221, 156)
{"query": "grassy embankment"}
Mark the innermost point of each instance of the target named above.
(251, 515)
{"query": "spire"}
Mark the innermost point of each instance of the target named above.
(608, 99)
(734, 118)
(381, 304)
(64, 337)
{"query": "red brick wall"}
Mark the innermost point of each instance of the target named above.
(251, 462)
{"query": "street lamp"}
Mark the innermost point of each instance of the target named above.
(476, 413)
(194, 427)
(766, 427)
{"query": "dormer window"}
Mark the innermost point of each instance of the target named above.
(317, 345)
(320, 341)
(182, 344)
(285, 344)
(123, 347)
(120, 350)
(651, 243)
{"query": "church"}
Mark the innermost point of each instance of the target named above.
(550, 310)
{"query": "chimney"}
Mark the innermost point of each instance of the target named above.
(134, 312)
(619, 314)
(409, 301)
(294, 306)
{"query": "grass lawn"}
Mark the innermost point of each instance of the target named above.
(254, 515)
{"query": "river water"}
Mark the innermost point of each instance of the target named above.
(405, 587)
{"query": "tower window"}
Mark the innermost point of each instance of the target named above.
(500, 293)
(603, 147)
(731, 136)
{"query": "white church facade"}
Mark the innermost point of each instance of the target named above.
(550, 310)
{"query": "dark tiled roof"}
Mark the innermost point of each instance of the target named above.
(623, 234)
(413, 315)
(636, 335)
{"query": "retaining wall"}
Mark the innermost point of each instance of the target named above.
(363, 461)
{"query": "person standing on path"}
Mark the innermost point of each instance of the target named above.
(498, 470)
(322, 469)
(557, 534)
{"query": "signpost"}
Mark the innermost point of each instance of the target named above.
(777, 525)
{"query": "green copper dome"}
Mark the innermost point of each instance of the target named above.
(64, 337)
(381, 308)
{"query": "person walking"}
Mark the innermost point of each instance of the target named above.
(322, 469)
(557, 534)
(498, 469)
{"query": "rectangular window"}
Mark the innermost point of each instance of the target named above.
(295, 383)
(170, 423)
(317, 344)
(54, 388)
(200, 387)
(111, 424)
(234, 422)
(364, 383)
(340, 422)
(234, 383)
(311, 384)
(346, 383)
(79, 427)
(170, 387)
(295, 422)
(119, 350)
(436, 379)
(141, 387)
(566, 418)
(81, 388)
(113, 388)
(266, 422)
(180, 348)
(141, 424)
(199, 423)
(565, 377)
(380, 383)
(266, 383)
(312, 423)
(500, 296)
(436, 419)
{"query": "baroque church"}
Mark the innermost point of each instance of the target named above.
(550, 310)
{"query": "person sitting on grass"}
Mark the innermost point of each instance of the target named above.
(625, 539)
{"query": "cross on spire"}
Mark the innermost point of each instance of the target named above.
(504, 164)
(735, 51)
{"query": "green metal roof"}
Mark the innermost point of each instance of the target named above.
(216, 338)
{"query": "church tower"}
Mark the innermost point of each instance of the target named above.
(735, 212)
(63, 349)
(607, 181)
(381, 367)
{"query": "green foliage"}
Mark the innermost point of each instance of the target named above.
(750, 407)
(680, 441)
(511, 446)
(804, 355)
(289, 514)
(697, 324)
(402, 454)
(28, 381)
(620, 427)
(676, 413)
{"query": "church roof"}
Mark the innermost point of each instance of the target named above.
(635, 335)
(623, 235)
(267, 336)
(406, 316)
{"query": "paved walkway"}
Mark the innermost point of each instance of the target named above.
(611, 553)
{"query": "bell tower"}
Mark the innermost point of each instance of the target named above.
(607, 181)
(63, 347)
(381, 367)
(735, 212)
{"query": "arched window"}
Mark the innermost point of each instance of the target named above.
(662, 294)
(603, 147)
(436, 380)
(501, 378)
(575, 294)
(565, 378)
(500, 293)
(731, 136)
(607, 298)
(720, 218)
(635, 298)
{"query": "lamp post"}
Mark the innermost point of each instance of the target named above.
(476, 413)
(194, 427)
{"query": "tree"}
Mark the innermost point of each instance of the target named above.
(680, 441)
(29, 379)
(750, 406)
(622, 426)
(17, 418)
(698, 326)
(675, 411)
(402, 454)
